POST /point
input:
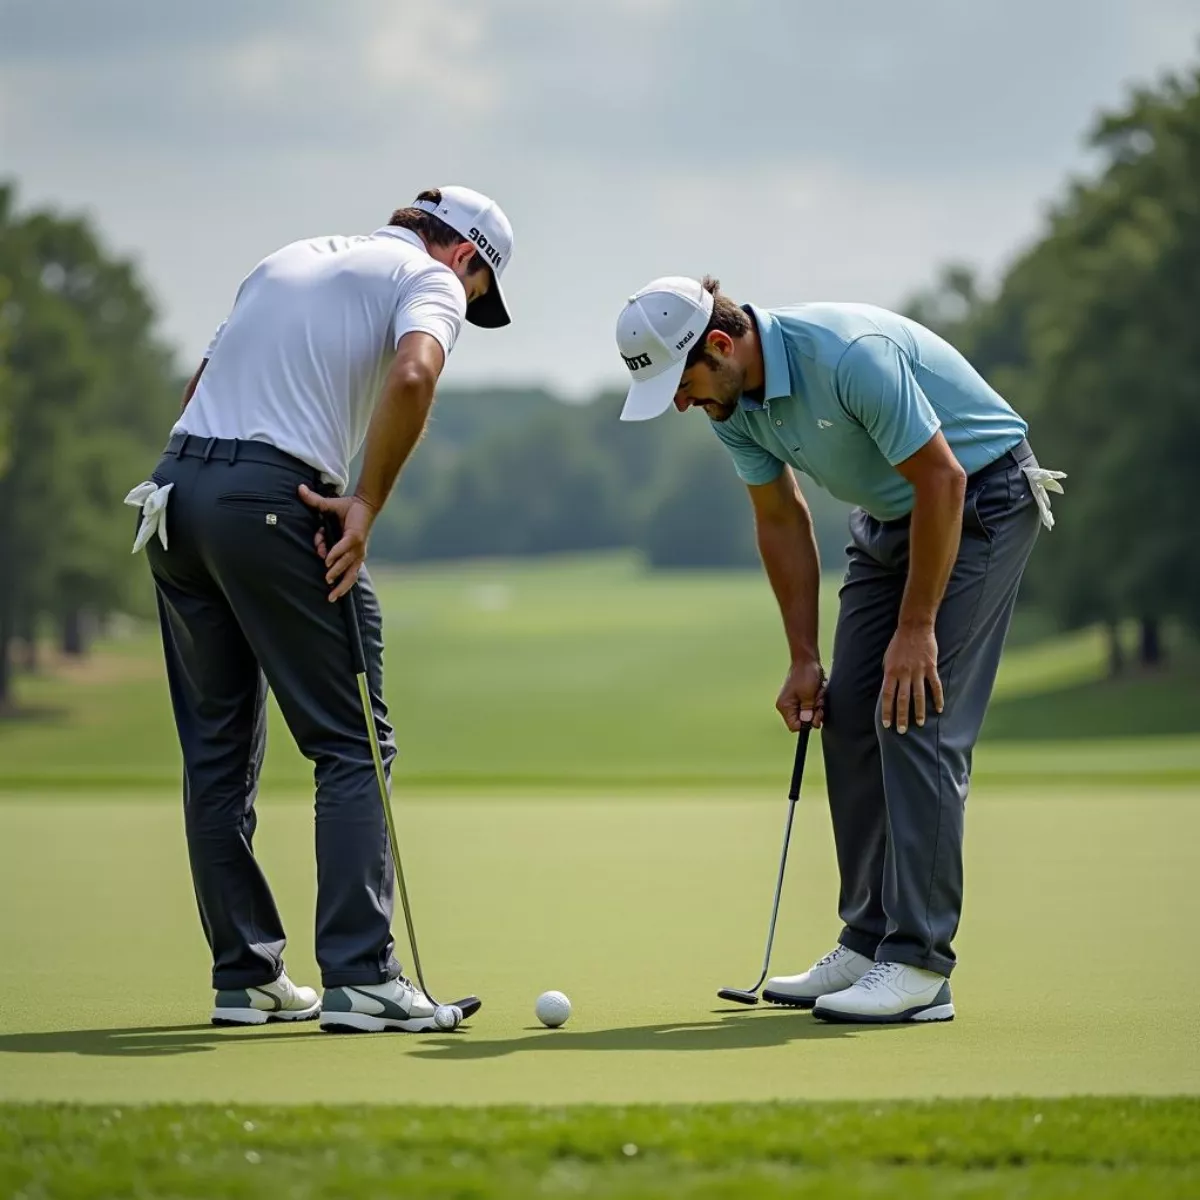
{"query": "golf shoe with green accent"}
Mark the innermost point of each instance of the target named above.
(278, 1001)
(396, 1005)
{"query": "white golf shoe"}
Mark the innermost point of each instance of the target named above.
(377, 1008)
(278, 1001)
(837, 970)
(888, 993)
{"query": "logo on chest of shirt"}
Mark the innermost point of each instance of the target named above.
(824, 424)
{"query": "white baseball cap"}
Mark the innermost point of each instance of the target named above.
(656, 329)
(482, 221)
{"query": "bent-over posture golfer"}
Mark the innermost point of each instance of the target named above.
(886, 415)
(329, 342)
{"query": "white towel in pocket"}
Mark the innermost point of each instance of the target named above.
(151, 498)
(1042, 482)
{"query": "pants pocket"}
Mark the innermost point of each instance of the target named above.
(271, 508)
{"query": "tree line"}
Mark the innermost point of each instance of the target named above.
(85, 386)
(89, 390)
(1090, 333)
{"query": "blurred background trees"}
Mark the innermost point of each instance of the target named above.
(1091, 333)
(85, 388)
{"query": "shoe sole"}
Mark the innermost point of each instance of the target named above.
(922, 1013)
(352, 1022)
(786, 1001)
(261, 1016)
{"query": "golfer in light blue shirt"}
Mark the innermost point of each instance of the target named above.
(880, 412)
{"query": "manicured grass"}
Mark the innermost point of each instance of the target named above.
(592, 673)
(1075, 976)
(1035, 1148)
(591, 799)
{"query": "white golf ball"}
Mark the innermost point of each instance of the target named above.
(447, 1016)
(552, 1009)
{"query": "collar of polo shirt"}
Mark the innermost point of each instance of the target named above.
(777, 375)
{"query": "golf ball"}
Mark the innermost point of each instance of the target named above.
(552, 1009)
(447, 1016)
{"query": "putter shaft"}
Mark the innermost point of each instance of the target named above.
(358, 655)
(793, 796)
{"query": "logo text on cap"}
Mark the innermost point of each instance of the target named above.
(637, 361)
(489, 251)
(690, 336)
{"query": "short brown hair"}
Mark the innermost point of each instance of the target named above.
(431, 229)
(727, 316)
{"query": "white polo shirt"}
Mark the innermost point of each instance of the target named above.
(300, 360)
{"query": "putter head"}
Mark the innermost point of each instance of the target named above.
(470, 1005)
(737, 996)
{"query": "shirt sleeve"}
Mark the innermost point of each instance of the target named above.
(877, 387)
(216, 337)
(433, 303)
(754, 463)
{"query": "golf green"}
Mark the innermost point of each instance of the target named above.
(1076, 968)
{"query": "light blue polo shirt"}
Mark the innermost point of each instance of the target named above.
(851, 390)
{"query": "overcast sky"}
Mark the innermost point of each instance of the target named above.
(798, 150)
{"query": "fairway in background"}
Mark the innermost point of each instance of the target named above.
(594, 672)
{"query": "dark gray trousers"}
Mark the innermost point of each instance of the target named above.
(243, 605)
(898, 800)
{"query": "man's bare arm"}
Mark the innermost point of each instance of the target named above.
(788, 548)
(939, 484)
(396, 427)
(400, 416)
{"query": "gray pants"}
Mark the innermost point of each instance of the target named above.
(243, 604)
(897, 800)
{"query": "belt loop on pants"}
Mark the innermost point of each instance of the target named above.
(182, 445)
(208, 449)
(233, 449)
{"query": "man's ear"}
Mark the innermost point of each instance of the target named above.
(720, 343)
(462, 254)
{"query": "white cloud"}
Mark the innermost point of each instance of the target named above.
(797, 150)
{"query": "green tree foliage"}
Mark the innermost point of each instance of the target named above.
(84, 385)
(1091, 335)
(1115, 365)
(518, 472)
(698, 514)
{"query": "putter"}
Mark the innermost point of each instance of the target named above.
(469, 1005)
(750, 995)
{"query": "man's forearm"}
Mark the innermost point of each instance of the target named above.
(934, 534)
(789, 553)
(396, 427)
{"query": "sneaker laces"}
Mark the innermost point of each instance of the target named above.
(830, 958)
(415, 988)
(880, 974)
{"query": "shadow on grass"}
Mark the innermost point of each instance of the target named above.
(740, 1030)
(13, 713)
(146, 1041)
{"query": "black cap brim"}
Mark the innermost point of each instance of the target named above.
(490, 311)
